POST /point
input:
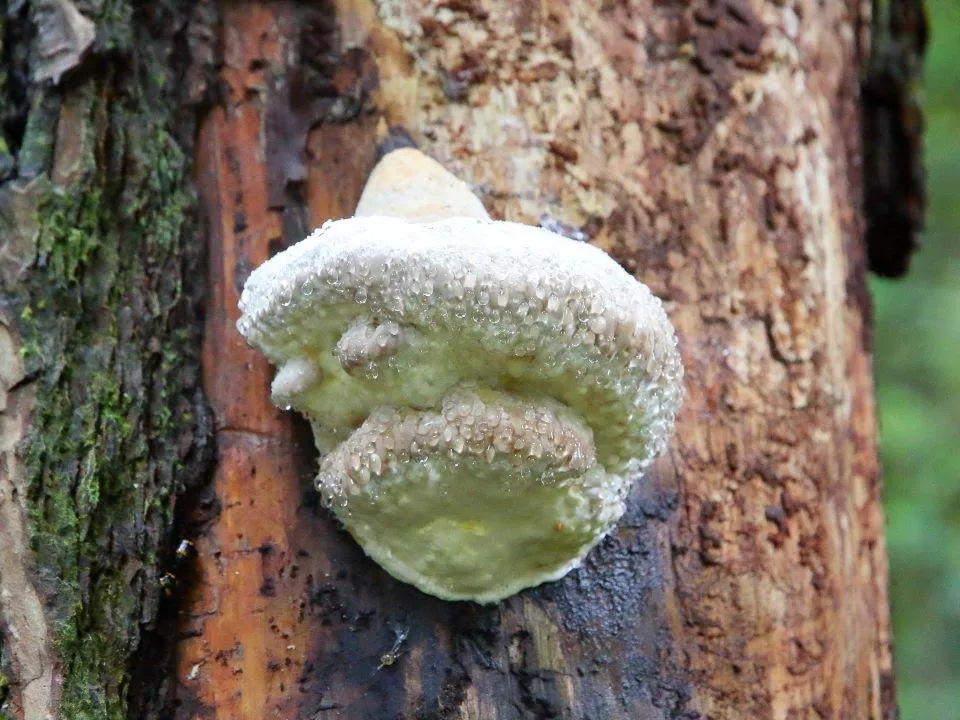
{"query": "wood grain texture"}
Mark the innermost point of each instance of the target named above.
(712, 148)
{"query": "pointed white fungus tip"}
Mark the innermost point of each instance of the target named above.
(485, 392)
(292, 379)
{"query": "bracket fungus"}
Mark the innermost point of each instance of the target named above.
(482, 393)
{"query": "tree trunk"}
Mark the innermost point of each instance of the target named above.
(712, 147)
(102, 419)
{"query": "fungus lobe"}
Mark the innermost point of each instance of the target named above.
(482, 393)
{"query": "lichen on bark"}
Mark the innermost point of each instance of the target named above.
(105, 307)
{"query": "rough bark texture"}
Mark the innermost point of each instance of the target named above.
(712, 147)
(101, 418)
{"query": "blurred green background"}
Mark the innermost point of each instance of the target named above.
(917, 345)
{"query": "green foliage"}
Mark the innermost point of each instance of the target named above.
(917, 344)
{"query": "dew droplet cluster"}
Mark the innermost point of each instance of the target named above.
(364, 346)
(504, 428)
(462, 344)
(516, 290)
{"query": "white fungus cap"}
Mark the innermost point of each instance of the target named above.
(483, 393)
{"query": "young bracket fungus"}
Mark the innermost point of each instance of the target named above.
(482, 393)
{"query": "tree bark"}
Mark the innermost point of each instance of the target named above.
(712, 147)
(102, 421)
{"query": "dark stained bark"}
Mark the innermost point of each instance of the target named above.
(710, 146)
(895, 184)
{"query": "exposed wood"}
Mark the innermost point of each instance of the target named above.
(712, 147)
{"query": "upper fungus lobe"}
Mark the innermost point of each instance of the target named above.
(483, 392)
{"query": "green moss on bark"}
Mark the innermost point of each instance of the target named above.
(109, 328)
(4, 690)
(103, 451)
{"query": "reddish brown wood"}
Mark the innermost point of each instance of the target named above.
(712, 150)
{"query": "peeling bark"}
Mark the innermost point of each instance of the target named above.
(32, 659)
(64, 34)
